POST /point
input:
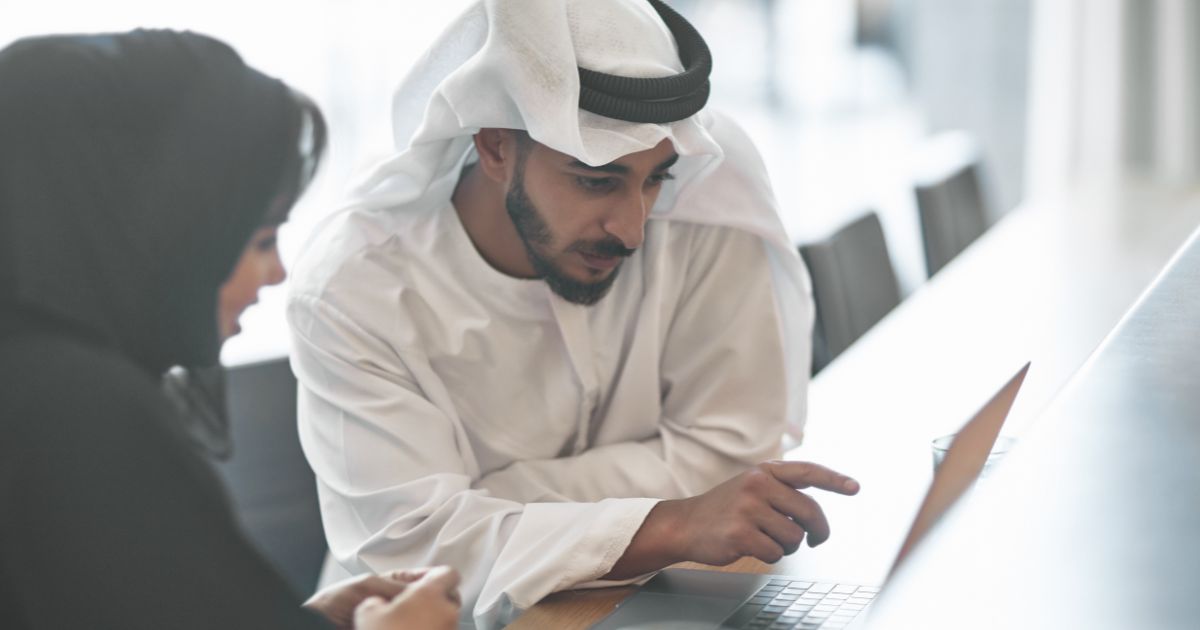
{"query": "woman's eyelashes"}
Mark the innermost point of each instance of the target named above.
(265, 244)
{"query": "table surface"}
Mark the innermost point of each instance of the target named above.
(1046, 284)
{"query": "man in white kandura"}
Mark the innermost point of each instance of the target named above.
(558, 337)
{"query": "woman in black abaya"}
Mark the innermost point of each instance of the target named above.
(140, 173)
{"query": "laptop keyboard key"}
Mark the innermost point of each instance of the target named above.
(742, 617)
(787, 604)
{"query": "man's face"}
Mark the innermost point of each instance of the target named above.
(579, 222)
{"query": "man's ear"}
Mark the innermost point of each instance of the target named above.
(499, 153)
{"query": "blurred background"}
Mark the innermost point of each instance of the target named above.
(854, 103)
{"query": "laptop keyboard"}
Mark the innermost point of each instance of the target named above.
(791, 604)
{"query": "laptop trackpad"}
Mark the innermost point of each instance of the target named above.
(663, 611)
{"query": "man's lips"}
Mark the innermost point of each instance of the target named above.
(602, 263)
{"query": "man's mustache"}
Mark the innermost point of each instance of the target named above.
(607, 248)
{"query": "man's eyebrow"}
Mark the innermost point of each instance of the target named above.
(620, 169)
(611, 167)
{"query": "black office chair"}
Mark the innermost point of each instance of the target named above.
(953, 213)
(273, 489)
(854, 286)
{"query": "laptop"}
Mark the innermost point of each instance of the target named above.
(686, 598)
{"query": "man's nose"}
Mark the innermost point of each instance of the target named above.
(627, 221)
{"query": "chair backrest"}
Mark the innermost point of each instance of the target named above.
(273, 490)
(953, 214)
(854, 285)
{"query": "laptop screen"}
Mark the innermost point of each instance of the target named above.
(963, 462)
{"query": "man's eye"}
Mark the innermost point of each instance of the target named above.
(596, 184)
(659, 178)
(266, 244)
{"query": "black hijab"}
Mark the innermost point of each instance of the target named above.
(133, 170)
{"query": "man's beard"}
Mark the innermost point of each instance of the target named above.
(534, 232)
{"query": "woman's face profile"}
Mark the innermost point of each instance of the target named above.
(259, 266)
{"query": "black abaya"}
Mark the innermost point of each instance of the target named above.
(133, 170)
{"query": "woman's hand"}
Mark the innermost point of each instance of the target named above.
(430, 601)
(339, 602)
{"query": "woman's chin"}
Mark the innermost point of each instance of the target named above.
(229, 331)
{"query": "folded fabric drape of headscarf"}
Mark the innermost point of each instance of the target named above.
(133, 169)
(518, 65)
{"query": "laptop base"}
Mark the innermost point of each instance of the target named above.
(676, 599)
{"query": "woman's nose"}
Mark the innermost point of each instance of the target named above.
(276, 274)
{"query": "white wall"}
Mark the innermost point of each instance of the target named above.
(1115, 93)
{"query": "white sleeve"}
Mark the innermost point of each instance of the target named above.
(723, 384)
(394, 475)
